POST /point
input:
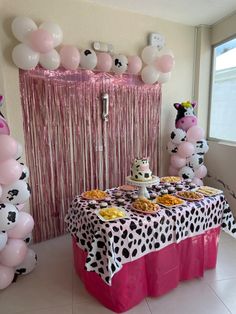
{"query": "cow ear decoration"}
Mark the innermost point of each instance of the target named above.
(1, 100)
(194, 104)
(177, 106)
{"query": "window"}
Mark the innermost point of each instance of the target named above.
(223, 92)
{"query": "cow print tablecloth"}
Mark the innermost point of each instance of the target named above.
(112, 244)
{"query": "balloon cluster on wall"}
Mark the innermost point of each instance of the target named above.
(38, 47)
(187, 145)
(15, 224)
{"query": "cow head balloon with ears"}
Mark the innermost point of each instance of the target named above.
(185, 118)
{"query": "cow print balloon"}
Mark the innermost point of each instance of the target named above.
(172, 148)
(8, 216)
(16, 193)
(119, 64)
(3, 240)
(178, 136)
(201, 147)
(28, 238)
(28, 264)
(195, 161)
(186, 173)
(25, 172)
(88, 59)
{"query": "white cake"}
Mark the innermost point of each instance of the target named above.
(140, 170)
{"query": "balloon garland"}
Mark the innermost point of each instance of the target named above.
(15, 224)
(187, 145)
(37, 46)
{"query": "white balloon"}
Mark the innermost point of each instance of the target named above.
(8, 216)
(172, 148)
(16, 193)
(149, 74)
(22, 26)
(28, 263)
(24, 57)
(195, 161)
(166, 51)
(55, 30)
(178, 136)
(119, 64)
(201, 147)
(25, 172)
(149, 54)
(19, 151)
(186, 173)
(50, 60)
(88, 59)
(164, 77)
(3, 240)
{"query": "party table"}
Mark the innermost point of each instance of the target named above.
(123, 261)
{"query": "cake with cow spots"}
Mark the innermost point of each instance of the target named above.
(140, 170)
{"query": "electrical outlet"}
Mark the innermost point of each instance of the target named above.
(156, 40)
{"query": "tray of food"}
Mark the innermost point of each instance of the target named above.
(128, 188)
(143, 205)
(111, 213)
(96, 195)
(208, 190)
(170, 179)
(190, 195)
(169, 201)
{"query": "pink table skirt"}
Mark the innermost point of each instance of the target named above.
(153, 274)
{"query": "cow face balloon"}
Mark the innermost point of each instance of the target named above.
(119, 64)
(25, 172)
(16, 193)
(88, 59)
(201, 147)
(28, 263)
(185, 118)
(8, 216)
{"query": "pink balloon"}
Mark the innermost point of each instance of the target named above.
(4, 128)
(70, 57)
(10, 171)
(8, 147)
(164, 63)
(173, 171)
(177, 162)
(197, 181)
(194, 134)
(0, 191)
(134, 65)
(14, 253)
(20, 206)
(104, 62)
(185, 149)
(201, 172)
(40, 40)
(25, 225)
(6, 276)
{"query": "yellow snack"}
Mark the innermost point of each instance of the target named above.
(95, 194)
(111, 213)
(170, 179)
(144, 204)
(169, 200)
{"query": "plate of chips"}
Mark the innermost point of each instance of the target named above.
(190, 195)
(170, 179)
(111, 213)
(168, 201)
(143, 205)
(96, 195)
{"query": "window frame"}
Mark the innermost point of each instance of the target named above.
(214, 139)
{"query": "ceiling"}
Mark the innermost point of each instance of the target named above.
(190, 12)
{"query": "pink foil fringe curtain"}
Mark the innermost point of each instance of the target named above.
(70, 149)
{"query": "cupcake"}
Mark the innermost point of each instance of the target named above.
(179, 187)
(92, 204)
(118, 194)
(167, 184)
(108, 200)
(103, 204)
(192, 186)
(121, 201)
(164, 191)
(171, 189)
(129, 194)
(158, 188)
(134, 197)
(188, 181)
(153, 196)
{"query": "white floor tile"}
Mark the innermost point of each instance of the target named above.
(50, 310)
(192, 297)
(226, 291)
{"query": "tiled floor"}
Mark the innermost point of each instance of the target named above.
(54, 288)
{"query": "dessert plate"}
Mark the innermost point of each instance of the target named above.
(190, 196)
(125, 214)
(157, 207)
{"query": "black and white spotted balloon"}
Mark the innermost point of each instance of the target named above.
(119, 64)
(172, 148)
(28, 263)
(178, 136)
(201, 147)
(16, 193)
(195, 161)
(25, 172)
(88, 59)
(8, 216)
(28, 239)
(3, 240)
(186, 173)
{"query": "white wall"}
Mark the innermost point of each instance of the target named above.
(83, 23)
(220, 160)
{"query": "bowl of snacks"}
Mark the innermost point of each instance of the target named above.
(170, 179)
(96, 195)
(190, 195)
(169, 201)
(111, 213)
(143, 205)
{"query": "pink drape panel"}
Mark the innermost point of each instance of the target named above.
(69, 148)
